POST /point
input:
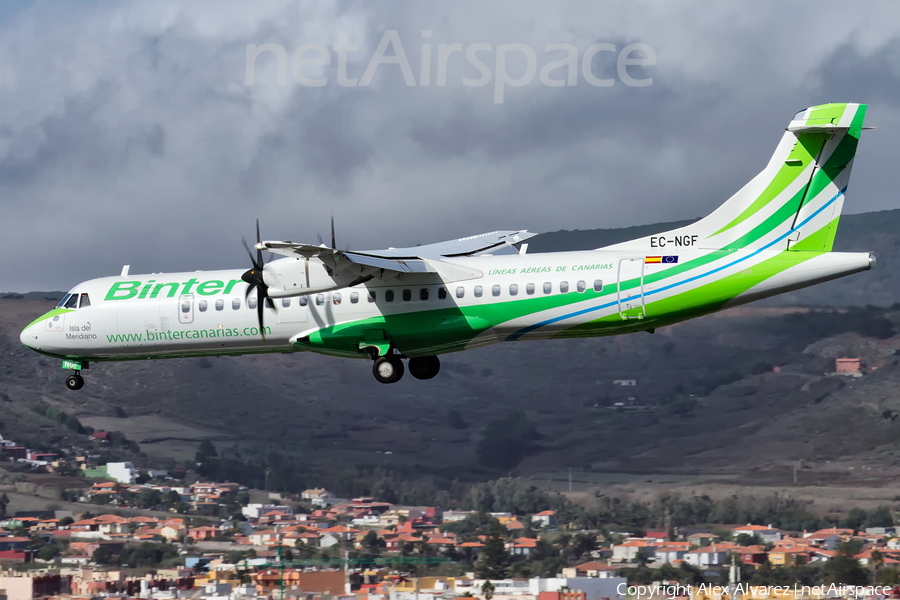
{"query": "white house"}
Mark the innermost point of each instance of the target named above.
(628, 551)
(123, 472)
(316, 494)
(710, 556)
(546, 519)
(254, 511)
(767, 534)
(669, 554)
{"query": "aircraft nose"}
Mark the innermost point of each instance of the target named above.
(28, 337)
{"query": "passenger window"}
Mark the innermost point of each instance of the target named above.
(286, 302)
(513, 289)
(85, 301)
(529, 289)
(186, 306)
(495, 290)
(220, 304)
(251, 302)
(268, 303)
(580, 286)
(389, 296)
(336, 298)
(460, 292)
(442, 293)
(72, 302)
(354, 297)
(320, 299)
(478, 291)
(370, 296)
(548, 287)
(563, 287)
(423, 294)
(598, 285)
(235, 303)
(202, 305)
(407, 295)
(303, 300)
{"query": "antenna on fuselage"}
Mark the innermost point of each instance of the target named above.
(125, 271)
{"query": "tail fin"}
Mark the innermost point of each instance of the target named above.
(794, 203)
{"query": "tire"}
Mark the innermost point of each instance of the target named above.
(388, 369)
(424, 367)
(75, 382)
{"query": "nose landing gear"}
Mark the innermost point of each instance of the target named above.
(75, 381)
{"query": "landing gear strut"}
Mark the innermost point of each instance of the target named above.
(75, 381)
(388, 369)
(424, 367)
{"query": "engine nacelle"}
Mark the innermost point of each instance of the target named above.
(288, 277)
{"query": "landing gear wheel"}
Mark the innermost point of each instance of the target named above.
(75, 381)
(388, 369)
(424, 367)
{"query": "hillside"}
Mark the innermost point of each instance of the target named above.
(706, 401)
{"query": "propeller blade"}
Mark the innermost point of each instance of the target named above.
(261, 296)
(247, 247)
(333, 242)
(259, 254)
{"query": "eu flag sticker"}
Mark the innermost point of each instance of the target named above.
(670, 260)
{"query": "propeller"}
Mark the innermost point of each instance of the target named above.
(333, 241)
(254, 280)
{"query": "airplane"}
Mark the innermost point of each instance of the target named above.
(774, 235)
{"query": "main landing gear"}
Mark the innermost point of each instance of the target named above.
(389, 368)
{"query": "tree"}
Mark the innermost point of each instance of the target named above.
(372, 542)
(494, 559)
(642, 558)
(844, 568)
(877, 560)
(880, 516)
(103, 556)
(48, 552)
(205, 452)
(487, 590)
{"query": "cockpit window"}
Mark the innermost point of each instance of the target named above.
(85, 301)
(62, 302)
(72, 302)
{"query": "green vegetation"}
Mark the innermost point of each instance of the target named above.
(65, 419)
(145, 555)
(494, 560)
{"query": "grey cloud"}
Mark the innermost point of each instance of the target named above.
(138, 113)
(870, 77)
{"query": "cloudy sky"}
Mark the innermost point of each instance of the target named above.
(129, 133)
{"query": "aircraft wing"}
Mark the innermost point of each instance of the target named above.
(401, 260)
(467, 246)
